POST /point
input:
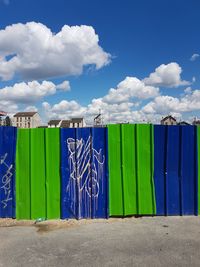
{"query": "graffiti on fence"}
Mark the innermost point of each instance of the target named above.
(86, 168)
(6, 180)
(82, 169)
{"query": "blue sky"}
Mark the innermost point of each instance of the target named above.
(135, 38)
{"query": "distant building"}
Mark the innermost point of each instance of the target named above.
(66, 124)
(26, 120)
(169, 120)
(183, 123)
(77, 123)
(196, 122)
(2, 118)
(73, 123)
(2, 113)
(54, 123)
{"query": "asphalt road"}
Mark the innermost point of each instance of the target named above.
(157, 241)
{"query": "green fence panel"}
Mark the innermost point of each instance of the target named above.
(115, 171)
(23, 208)
(130, 155)
(144, 168)
(198, 151)
(52, 144)
(38, 190)
(129, 169)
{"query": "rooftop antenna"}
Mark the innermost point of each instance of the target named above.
(98, 119)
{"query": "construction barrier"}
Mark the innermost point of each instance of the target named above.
(130, 157)
(175, 171)
(84, 173)
(38, 174)
(120, 170)
(7, 171)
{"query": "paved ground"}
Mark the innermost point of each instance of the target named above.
(158, 241)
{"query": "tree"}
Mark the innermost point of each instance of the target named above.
(8, 121)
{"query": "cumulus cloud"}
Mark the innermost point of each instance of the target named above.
(128, 111)
(33, 51)
(129, 88)
(65, 86)
(132, 100)
(117, 105)
(31, 108)
(63, 110)
(8, 106)
(188, 90)
(31, 92)
(166, 76)
(112, 113)
(167, 104)
(194, 57)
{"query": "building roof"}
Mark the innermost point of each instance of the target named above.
(183, 123)
(168, 117)
(25, 114)
(196, 122)
(54, 122)
(2, 113)
(73, 120)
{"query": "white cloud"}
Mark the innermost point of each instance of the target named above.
(130, 88)
(8, 106)
(117, 105)
(65, 86)
(33, 51)
(31, 92)
(127, 111)
(31, 108)
(168, 104)
(112, 113)
(132, 100)
(188, 90)
(162, 105)
(194, 57)
(167, 76)
(63, 110)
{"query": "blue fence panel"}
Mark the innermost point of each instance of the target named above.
(84, 172)
(99, 173)
(173, 171)
(188, 170)
(160, 145)
(68, 174)
(7, 171)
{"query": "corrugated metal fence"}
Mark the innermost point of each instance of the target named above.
(7, 171)
(84, 173)
(121, 170)
(131, 186)
(38, 174)
(175, 173)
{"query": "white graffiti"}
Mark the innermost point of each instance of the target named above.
(86, 168)
(6, 180)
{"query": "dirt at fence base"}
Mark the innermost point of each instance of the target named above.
(51, 225)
